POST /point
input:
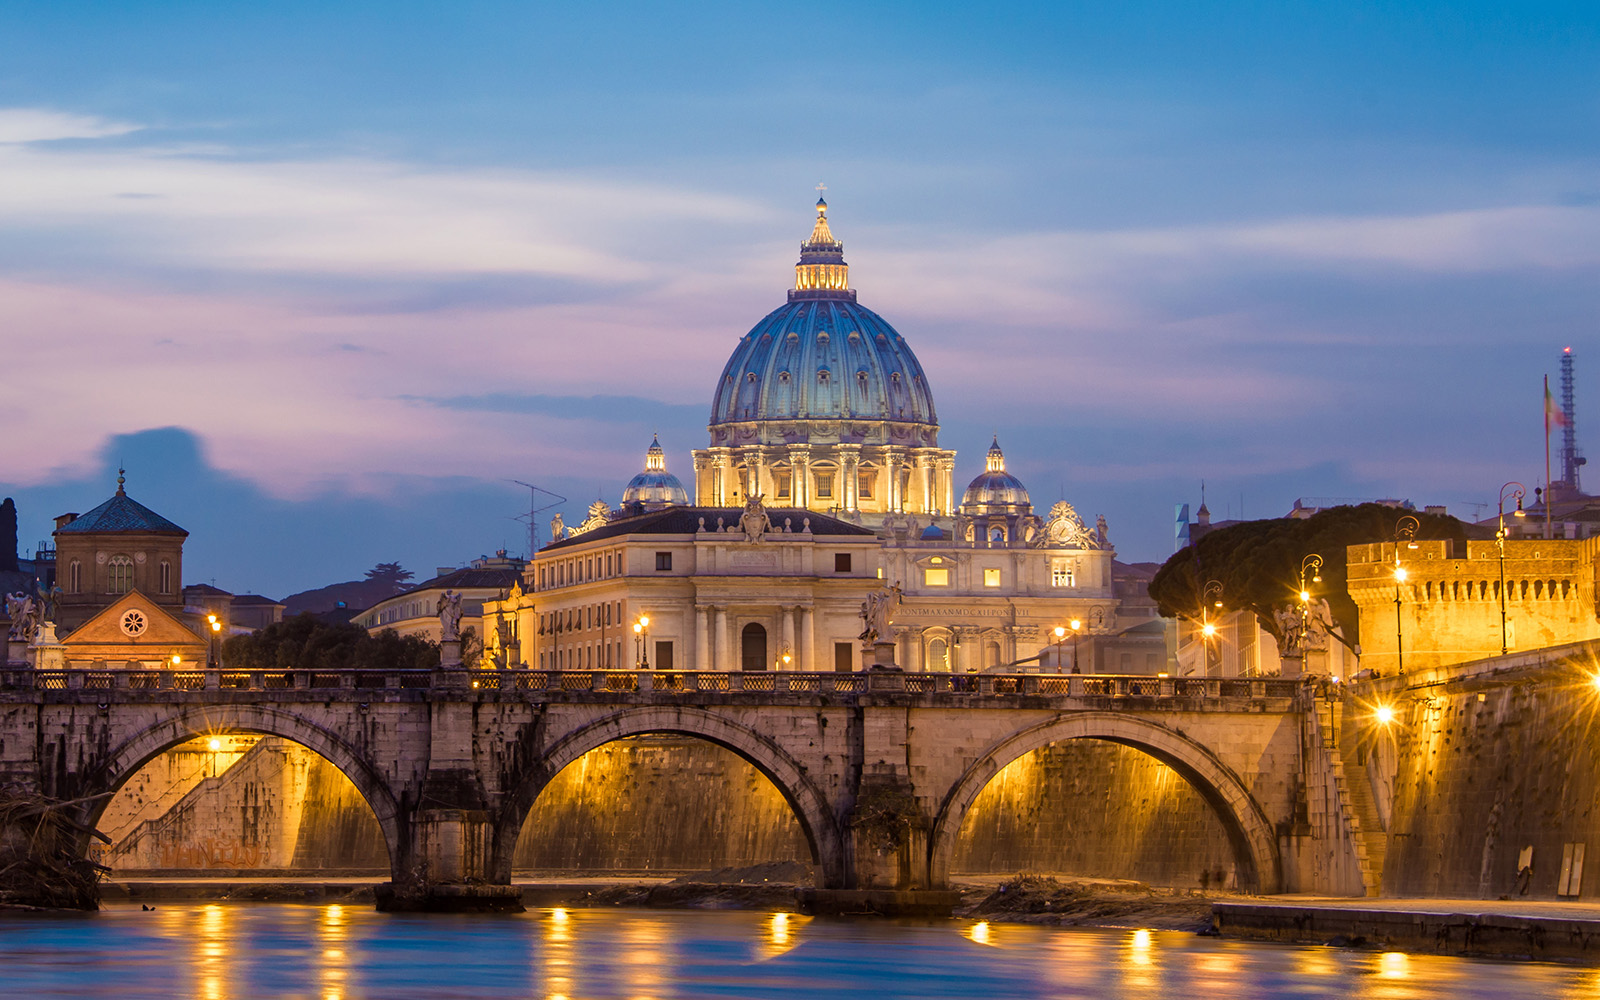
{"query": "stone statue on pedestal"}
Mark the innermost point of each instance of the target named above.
(877, 611)
(449, 616)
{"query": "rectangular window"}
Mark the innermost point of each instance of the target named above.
(663, 660)
(781, 476)
(663, 561)
(1062, 574)
(844, 657)
(841, 562)
(991, 578)
(824, 485)
(864, 480)
(936, 577)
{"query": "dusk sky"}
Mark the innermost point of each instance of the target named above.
(325, 276)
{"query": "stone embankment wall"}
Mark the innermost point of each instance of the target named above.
(1488, 760)
(1091, 808)
(659, 803)
(254, 803)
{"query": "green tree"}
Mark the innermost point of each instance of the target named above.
(305, 642)
(1258, 562)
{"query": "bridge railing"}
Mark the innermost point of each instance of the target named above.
(533, 683)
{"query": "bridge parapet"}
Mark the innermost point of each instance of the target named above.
(662, 687)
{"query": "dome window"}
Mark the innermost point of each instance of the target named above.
(750, 377)
(822, 375)
(783, 377)
(894, 377)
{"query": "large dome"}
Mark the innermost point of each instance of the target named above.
(822, 356)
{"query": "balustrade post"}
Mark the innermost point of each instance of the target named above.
(1030, 684)
(647, 681)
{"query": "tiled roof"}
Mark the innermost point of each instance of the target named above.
(468, 579)
(253, 599)
(122, 513)
(686, 521)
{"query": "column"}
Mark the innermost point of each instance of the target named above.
(788, 639)
(914, 661)
(720, 660)
(805, 658)
(702, 637)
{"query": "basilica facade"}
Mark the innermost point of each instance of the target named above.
(823, 482)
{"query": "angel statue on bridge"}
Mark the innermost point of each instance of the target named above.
(449, 609)
(878, 613)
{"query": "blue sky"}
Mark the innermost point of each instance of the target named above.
(327, 275)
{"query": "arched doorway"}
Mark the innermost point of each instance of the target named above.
(753, 647)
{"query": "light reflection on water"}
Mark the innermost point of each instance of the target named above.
(239, 951)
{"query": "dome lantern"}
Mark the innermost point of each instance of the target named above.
(822, 272)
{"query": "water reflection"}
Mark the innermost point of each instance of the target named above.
(244, 951)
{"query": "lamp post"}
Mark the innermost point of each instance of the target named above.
(1210, 597)
(641, 642)
(1061, 635)
(1076, 624)
(1312, 564)
(1517, 490)
(1405, 530)
(213, 660)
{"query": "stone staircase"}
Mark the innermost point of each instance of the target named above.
(1355, 792)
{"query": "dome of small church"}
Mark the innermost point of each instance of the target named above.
(823, 356)
(996, 491)
(655, 486)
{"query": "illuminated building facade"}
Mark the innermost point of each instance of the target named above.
(823, 429)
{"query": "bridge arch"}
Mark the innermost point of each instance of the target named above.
(1251, 834)
(808, 803)
(125, 760)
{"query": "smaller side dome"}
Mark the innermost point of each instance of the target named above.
(655, 487)
(996, 491)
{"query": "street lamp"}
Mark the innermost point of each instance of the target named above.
(1405, 530)
(1517, 490)
(1061, 635)
(1312, 564)
(785, 659)
(213, 660)
(641, 642)
(1076, 625)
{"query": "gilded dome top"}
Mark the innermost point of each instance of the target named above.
(823, 356)
(655, 486)
(996, 491)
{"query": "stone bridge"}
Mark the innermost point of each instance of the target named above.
(880, 767)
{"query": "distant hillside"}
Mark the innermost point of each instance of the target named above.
(356, 595)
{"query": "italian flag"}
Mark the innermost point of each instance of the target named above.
(1553, 417)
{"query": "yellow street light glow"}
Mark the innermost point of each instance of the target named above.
(1076, 624)
(176, 659)
(1304, 596)
(214, 744)
(1384, 714)
(1595, 680)
(1060, 631)
(216, 626)
(211, 618)
(1208, 630)
(644, 621)
(637, 627)
(1400, 573)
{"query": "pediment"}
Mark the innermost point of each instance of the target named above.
(160, 627)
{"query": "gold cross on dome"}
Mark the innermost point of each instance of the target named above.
(821, 188)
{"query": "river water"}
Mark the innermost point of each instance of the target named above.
(330, 952)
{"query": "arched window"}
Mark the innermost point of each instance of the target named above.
(997, 534)
(753, 647)
(991, 654)
(74, 577)
(938, 656)
(119, 575)
(166, 577)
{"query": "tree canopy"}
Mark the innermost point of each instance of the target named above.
(1258, 562)
(390, 574)
(304, 642)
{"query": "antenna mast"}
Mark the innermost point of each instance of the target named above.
(1571, 458)
(534, 510)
